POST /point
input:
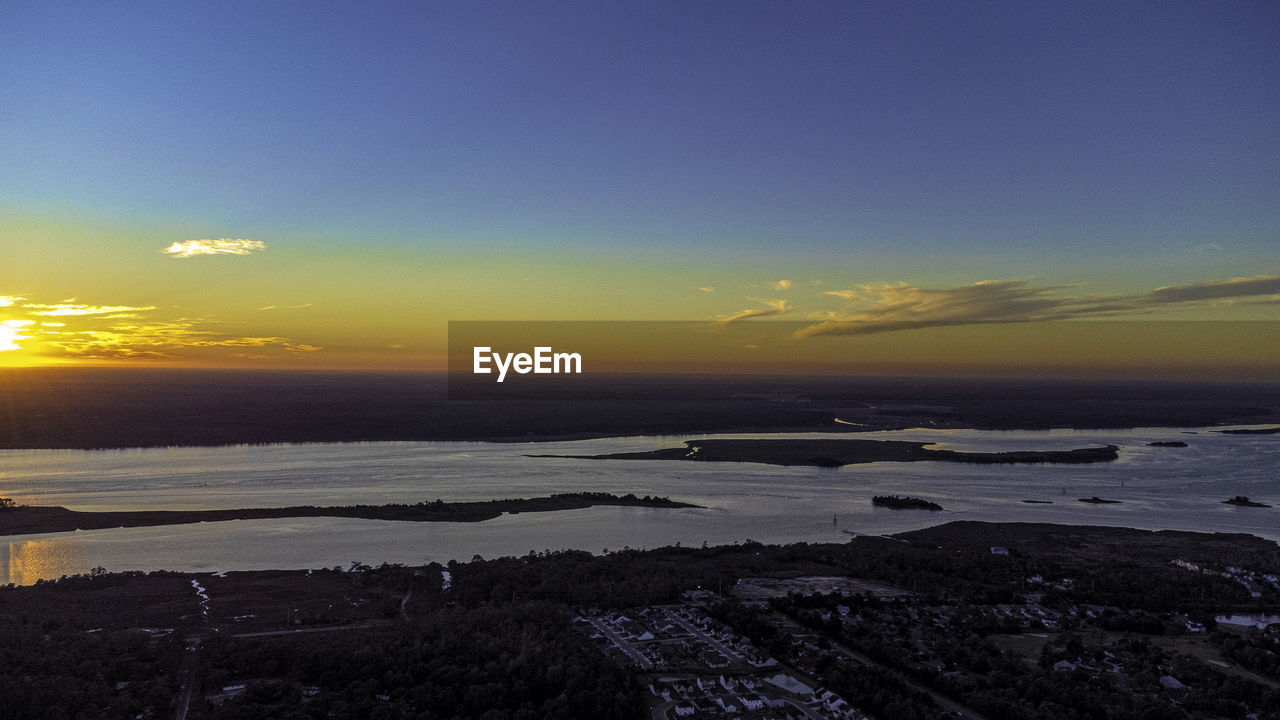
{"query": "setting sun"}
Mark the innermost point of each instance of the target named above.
(8, 338)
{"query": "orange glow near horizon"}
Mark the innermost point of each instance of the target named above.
(977, 329)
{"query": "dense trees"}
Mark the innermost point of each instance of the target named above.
(57, 671)
(497, 663)
(497, 644)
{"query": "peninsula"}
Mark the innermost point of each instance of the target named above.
(22, 520)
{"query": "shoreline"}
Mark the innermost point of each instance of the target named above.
(835, 428)
(932, 534)
(1056, 538)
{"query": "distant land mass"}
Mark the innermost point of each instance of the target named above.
(834, 453)
(1244, 501)
(897, 502)
(90, 408)
(21, 520)
(1253, 431)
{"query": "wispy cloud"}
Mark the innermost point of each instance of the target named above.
(782, 285)
(9, 300)
(707, 289)
(71, 308)
(223, 246)
(285, 307)
(847, 295)
(1236, 287)
(125, 332)
(771, 307)
(160, 340)
(905, 307)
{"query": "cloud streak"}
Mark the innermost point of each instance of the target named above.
(772, 307)
(847, 295)
(125, 332)
(69, 308)
(159, 340)
(901, 306)
(1234, 288)
(223, 246)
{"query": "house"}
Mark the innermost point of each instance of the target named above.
(714, 659)
(1169, 682)
(752, 702)
(684, 709)
(790, 684)
(998, 550)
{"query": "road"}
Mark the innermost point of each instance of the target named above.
(188, 677)
(334, 628)
(728, 653)
(636, 656)
(804, 710)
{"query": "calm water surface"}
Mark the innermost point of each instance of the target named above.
(1176, 488)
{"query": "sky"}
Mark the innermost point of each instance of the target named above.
(327, 185)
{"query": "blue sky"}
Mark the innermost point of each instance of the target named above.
(1125, 146)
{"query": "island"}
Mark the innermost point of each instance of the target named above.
(834, 453)
(1167, 443)
(904, 503)
(1243, 501)
(1252, 431)
(1099, 501)
(22, 520)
